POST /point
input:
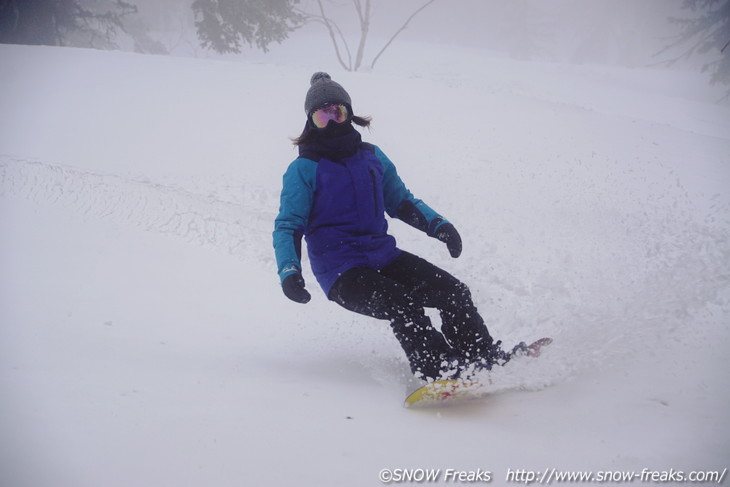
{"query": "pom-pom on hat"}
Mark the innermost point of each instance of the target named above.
(324, 91)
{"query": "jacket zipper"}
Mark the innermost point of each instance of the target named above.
(375, 190)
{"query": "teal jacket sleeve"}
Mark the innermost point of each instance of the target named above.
(297, 194)
(400, 202)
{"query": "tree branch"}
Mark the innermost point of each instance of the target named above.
(403, 27)
(332, 36)
(318, 18)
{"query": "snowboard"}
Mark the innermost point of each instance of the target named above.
(452, 391)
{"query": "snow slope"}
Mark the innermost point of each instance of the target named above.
(144, 339)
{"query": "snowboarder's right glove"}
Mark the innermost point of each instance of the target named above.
(293, 287)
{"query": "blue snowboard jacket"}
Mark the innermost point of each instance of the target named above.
(339, 206)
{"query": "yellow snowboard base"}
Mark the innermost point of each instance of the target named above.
(444, 392)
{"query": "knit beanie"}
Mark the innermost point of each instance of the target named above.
(324, 91)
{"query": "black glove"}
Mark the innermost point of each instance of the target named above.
(448, 234)
(293, 287)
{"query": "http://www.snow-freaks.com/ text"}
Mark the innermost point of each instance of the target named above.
(549, 476)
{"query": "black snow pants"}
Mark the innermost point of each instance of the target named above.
(399, 293)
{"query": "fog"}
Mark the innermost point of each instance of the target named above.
(628, 33)
(625, 32)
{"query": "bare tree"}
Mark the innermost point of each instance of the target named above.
(363, 8)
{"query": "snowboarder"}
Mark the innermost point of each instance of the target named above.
(335, 194)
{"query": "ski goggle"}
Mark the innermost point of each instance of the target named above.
(322, 116)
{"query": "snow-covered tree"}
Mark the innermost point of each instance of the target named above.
(225, 25)
(80, 23)
(706, 32)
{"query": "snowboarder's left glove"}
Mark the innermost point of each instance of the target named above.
(448, 234)
(293, 287)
